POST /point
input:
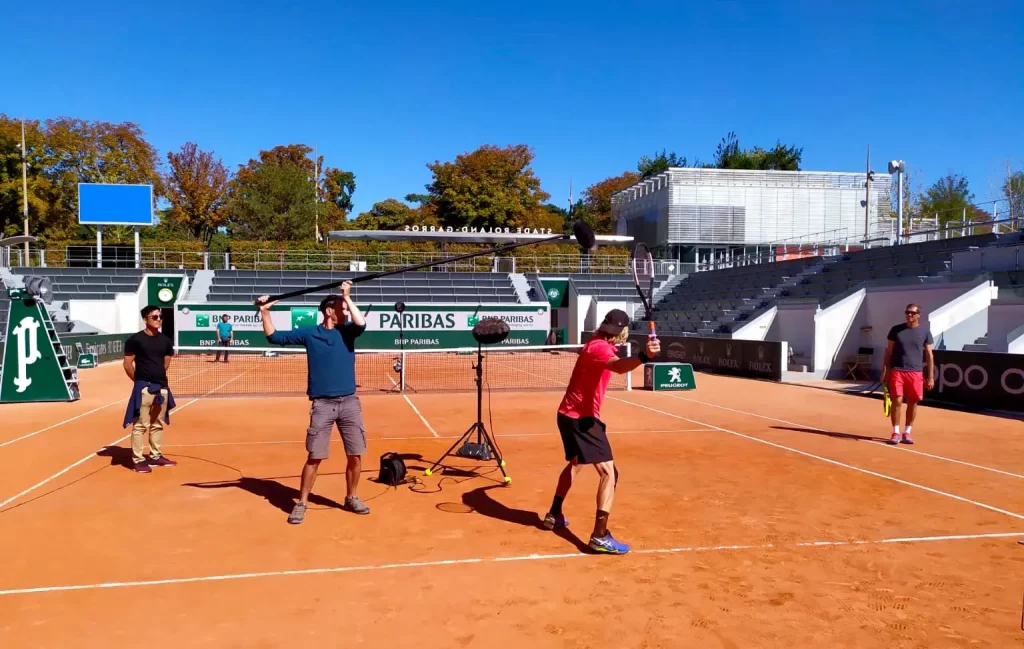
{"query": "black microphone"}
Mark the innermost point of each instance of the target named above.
(490, 331)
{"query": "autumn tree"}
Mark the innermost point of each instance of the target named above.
(39, 186)
(598, 200)
(489, 187)
(197, 187)
(63, 153)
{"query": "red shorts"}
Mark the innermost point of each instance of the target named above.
(911, 384)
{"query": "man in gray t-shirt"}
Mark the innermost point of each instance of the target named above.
(909, 350)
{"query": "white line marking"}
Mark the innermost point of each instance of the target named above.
(60, 423)
(420, 415)
(883, 444)
(90, 456)
(417, 437)
(512, 559)
(830, 461)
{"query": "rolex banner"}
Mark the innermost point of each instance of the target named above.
(750, 358)
(423, 326)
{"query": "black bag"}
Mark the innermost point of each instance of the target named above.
(392, 469)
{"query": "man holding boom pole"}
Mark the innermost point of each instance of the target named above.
(331, 386)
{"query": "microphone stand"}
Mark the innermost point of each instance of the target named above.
(401, 386)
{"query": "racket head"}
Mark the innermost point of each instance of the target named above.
(886, 400)
(642, 266)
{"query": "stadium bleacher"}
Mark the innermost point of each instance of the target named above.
(719, 302)
(94, 283)
(603, 286)
(247, 285)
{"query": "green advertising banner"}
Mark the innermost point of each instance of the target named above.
(424, 326)
(163, 291)
(106, 347)
(669, 376)
(557, 291)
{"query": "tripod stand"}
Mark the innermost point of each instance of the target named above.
(484, 447)
(399, 364)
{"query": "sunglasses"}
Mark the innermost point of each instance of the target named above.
(155, 317)
(912, 312)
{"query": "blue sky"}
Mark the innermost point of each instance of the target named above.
(384, 88)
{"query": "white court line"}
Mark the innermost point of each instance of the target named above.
(830, 461)
(60, 423)
(822, 430)
(418, 437)
(420, 415)
(95, 454)
(512, 559)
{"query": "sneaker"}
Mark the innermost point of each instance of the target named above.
(895, 439)
(142, 467)
(298, 513)
(355, 505)
(607, 545)
(551, 521)
(162, 461)
(907, 439)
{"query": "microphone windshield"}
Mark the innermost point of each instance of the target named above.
(584, 236)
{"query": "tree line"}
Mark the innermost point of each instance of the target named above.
(288, 193)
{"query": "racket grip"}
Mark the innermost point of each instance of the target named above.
(650, 328)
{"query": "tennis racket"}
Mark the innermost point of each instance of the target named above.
(886, 400)
(643, 279)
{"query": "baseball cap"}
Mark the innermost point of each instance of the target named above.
(614, 321)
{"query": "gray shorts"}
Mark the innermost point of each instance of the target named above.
(347, 413)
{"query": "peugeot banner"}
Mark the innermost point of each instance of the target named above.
(982, 380)
(750, 358)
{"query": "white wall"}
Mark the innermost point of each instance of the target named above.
(794, 323)
(831, 328)
(963, 319)
(128, 317)
(579, 305)
(100, 314)
(883, 308)
(757, 329)
(1006, 323)
(598, 310)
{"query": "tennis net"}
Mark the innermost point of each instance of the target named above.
(281, 371)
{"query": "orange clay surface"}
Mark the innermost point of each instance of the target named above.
(760, 515)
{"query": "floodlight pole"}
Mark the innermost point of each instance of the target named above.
(24, 187)
(99, 246)
(138, 249)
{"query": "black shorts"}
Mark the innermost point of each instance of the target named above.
(584, 439)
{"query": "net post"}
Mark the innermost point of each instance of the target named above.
(401, 375)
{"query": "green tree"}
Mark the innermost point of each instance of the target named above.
(1013, 190)
(389, 214)
(729, 155)
(948, 198)
(272, 201)
(489, 187)
(197, 187)
(274, 178)
(659, 163)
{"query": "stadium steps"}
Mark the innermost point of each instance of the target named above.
(199, 287)
(521, 286)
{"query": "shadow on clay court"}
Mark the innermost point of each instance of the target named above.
(480, 501)
(119, 456)
(272, 491)
(829, 433)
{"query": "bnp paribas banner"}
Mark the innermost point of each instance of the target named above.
(423, 326)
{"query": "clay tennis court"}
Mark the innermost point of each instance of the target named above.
(760, 515)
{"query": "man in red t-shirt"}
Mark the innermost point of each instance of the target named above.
(583, 433)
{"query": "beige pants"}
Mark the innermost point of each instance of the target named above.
(148, 421)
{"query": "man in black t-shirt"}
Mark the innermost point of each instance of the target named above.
(147, 355)
(909, 350)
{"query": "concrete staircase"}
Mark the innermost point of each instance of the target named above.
(980, 345)
(522, 287)
(200, 287)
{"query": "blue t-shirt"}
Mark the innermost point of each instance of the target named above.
(224, 328)
(330, 357)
